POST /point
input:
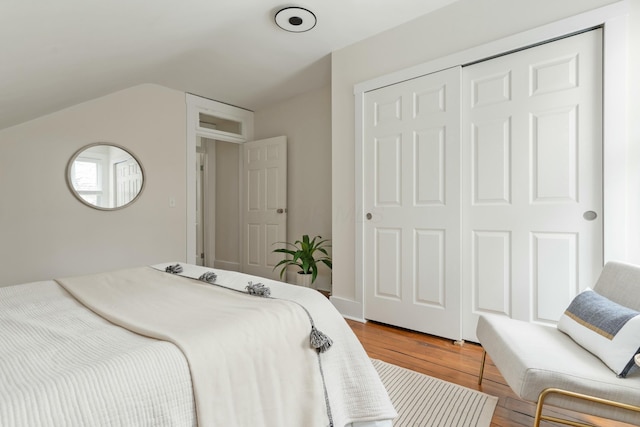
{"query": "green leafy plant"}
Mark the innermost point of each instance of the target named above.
(306, 254)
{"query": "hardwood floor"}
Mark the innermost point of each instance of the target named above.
(441, 358)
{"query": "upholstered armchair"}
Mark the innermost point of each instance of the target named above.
(571, 366)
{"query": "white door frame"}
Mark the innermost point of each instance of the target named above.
(195, 106)
(612, 18)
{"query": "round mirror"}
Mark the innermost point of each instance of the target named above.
(105, 176)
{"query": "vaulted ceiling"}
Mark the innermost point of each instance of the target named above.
(55, 54)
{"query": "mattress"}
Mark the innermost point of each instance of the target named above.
(64, 365)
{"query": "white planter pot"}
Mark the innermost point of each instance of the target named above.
(303, 280)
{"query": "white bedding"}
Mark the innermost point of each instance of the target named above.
(61, 365)
(104, 395)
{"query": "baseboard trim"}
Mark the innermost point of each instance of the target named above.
(349, 309)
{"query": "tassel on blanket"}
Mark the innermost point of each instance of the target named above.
(174, 269)
(209, 277)
(258, 290)
(319, 340)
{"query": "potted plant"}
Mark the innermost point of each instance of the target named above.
(306, 254)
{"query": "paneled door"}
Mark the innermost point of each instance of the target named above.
(411, 186)
(532, 180)
(265, 204)
(128, 181)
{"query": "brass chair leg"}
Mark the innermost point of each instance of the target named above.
(484, 358)
(541, 398)
(539, 417)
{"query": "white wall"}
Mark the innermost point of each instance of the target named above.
(306, 122)
(457, 27)
(633, 157)
(45, 232)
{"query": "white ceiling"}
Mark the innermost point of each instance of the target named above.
(55, 54)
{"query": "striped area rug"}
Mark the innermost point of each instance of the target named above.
(423, 401)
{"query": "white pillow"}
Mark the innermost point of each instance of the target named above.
(607, 329)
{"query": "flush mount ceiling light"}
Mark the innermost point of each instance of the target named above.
(295, 19)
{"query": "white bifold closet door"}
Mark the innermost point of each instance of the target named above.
(482, 189)
(411, 240)
(532, 176)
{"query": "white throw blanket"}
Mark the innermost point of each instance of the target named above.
(250, 359)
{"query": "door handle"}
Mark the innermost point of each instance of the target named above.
(280, 210)
(589, 215)
(369, 216)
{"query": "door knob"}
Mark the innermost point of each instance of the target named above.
(280, 210)
(369, 216)
(590, 215)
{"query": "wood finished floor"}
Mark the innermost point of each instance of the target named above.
(440, 358)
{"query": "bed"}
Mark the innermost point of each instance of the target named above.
(154, 346)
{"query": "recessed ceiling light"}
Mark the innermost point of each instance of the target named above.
(295, 19)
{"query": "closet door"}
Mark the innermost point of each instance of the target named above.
(411, 185)
(532, 180)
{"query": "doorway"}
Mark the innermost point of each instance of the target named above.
(218, 227)
(214, 121)
(220, 208)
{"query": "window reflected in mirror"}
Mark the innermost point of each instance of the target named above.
(105, 176)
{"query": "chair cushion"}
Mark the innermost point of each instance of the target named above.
(532, 357)
(607, 329)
